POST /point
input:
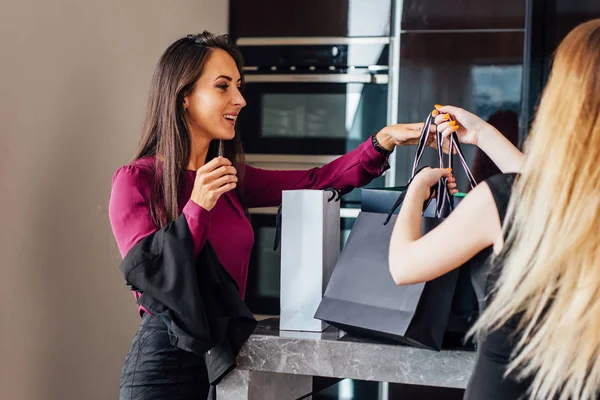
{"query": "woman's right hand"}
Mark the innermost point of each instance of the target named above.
(469, 127)
(212, 180)
(428, 177)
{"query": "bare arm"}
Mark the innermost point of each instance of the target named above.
(470, 228)
(501, 151)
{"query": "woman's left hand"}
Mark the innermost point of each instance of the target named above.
(403, 134)
(428, 177)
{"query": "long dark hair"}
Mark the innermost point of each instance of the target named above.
(165, 131)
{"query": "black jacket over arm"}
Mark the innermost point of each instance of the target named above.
(198, 300)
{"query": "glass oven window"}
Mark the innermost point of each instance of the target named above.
(269, 271)
(311, 118)
(304, 115)
(262, 290)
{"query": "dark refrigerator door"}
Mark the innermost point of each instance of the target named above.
(469, 55)
(548, 22)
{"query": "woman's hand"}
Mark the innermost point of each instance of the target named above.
(212, 180)
(468, 126)
(424, 180)
(403, 134)
(473, 130)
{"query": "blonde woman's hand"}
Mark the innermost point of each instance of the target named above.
(469, 127)
(427, 177)
(214, 178)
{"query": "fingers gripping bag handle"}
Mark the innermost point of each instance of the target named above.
(444, 203)
(423, 139)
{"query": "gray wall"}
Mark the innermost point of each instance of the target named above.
(74, 76)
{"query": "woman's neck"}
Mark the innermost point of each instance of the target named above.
(198, 152)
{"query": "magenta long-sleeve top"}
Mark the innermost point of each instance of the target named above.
(226, 226)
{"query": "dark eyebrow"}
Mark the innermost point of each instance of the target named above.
(227, 77)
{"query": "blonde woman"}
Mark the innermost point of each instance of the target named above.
(539, 336)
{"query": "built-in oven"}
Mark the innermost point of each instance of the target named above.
(313, 96)
(310, 100)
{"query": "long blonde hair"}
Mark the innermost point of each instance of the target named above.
(550, 274)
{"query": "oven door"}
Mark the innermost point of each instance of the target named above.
(310, 114)
(264, 274)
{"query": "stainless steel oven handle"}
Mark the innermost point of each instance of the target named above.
(379, 79)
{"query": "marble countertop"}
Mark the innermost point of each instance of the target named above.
(336, 354)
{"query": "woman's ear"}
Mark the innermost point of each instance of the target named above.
(185, 102)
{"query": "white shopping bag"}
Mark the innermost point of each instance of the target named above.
(310, 248)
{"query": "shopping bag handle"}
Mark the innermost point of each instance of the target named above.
(422, 145)
(400, 199)
(444, 203)
(454, 147)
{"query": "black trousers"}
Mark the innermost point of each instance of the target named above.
(154, 369)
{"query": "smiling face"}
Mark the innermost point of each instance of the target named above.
(215, 102)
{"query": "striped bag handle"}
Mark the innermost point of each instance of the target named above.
(444, 203)
(423, 139)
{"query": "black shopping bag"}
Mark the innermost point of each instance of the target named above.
(361, 296)
(381, 200)
(465, 305)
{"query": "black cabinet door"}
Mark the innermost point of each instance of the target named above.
(463, 14)
(309, 18)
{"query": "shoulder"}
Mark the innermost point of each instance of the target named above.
(501, 182)
(131, 187)
(500, 186)
(139, 173)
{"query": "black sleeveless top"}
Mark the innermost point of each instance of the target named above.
(494, 350)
